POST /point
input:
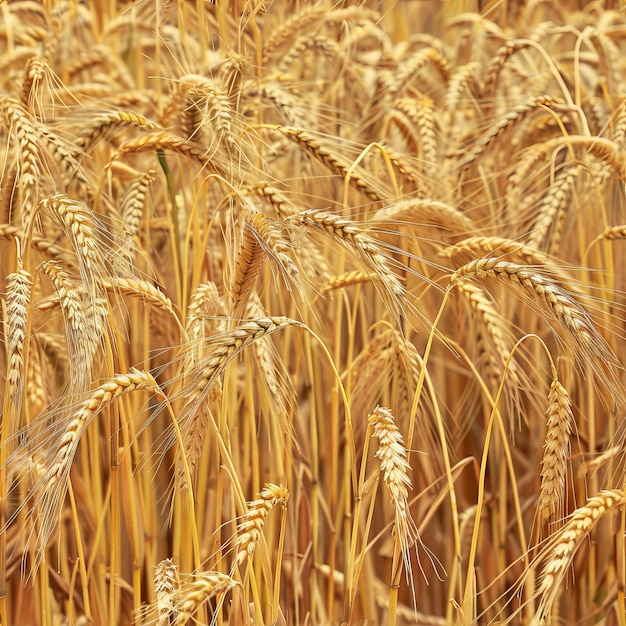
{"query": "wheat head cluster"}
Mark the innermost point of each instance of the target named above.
(313, 312)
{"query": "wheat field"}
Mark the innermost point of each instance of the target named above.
(312, 312)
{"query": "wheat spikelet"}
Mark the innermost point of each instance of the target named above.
(18, 296)
(559, 425)
(166, 588)
(564, 546)
(250, 528)
(194, 593)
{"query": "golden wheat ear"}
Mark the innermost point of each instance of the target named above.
(559, 428)
(250, 528)
(559, 554)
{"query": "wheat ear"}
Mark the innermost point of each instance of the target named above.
(247, 267)
(53, 483)
(79, 224)
(204, 375)
(565, 544)
(166, 588)
(20, 121)
(80, 341)
(196, 591)
(250, 528)
(571, 315)
(355, 238)
(334, 162)
(559, 425)
(18, 297)
(394, 465)
(104, 125)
